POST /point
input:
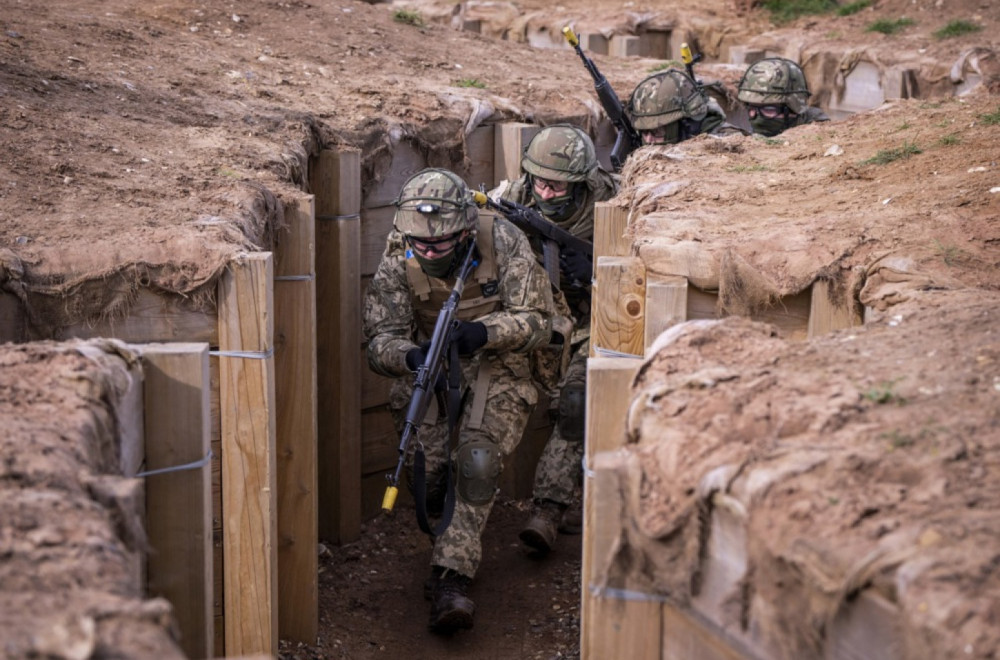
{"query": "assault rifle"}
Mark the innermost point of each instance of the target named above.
(689, 62)
(628, 139)
(554, 238)
(433, 368)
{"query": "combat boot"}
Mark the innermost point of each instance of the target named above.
(451, 609)
(572, 519)
(543, 526)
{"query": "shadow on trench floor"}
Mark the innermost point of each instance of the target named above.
(372, 604)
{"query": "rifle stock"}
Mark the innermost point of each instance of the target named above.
(554, 238)
(428, 373)
(628, 139)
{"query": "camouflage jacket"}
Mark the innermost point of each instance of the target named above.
(715, 122)
(601, 185)
(522, 322)
(810, 115)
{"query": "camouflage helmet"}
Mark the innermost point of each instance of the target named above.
(434, 202)
(560, 153)
(775, 81)
(666, 97)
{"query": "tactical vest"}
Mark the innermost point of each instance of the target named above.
(480, 296)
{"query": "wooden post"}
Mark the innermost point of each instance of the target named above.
(249, 476)
(510, 141)
(666, 304)
(610, 223)
(336, 182)
(613, 627)
(295, 389)
(619, 300)
(179, 504)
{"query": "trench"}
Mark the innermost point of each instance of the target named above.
(350, 444)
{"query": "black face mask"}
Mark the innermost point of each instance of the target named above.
(444, 266)
(563, 207)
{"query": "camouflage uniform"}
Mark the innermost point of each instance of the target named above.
(566, 154)
(781, 82)
(507, 294)
(671, 101)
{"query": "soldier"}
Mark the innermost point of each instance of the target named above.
(504, 313)
(561, 178)
(776, 96)
(668, 107)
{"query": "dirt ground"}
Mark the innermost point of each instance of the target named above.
(145, 143)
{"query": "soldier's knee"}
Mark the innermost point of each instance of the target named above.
(572, 406)
(478, 471)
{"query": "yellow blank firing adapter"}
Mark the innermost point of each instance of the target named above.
(570, 36)
(389, 499)
(479, 197)
(686, 53)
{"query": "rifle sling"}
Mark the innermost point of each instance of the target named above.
(453, 410)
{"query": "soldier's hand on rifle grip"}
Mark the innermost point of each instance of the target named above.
(576, 266)
(416, 356)
(469, 336)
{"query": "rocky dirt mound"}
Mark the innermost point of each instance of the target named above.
(863, 460)
(71, 528)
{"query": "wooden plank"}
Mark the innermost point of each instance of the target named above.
(609, 393)
(218, 574)
(618, 314)
(790, 315)
(338, 336)
(594, 43)
(380, 441)
(829, 312)
(869, 627)
(179, 504)
(335, 179)
(249, 483)
(610, 223)
(666, 304)
(686, 636)
(376, 223)
(480, 147)
(296, 430)
(154, 317)
(624, 45)
(406, 161)
(702, 304)
(374, 387)
(611, 627)
(655, 44)
(510, 141)
(12, 327)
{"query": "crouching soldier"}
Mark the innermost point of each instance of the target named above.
(503, 314)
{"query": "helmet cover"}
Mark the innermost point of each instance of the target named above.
(775, 81)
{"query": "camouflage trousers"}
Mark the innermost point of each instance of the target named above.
(507, 403)
(560, 467)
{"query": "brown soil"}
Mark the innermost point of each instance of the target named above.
(145, 143)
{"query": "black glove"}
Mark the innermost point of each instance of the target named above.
(416, 356)
(576, 266)
(414, 360)
(469, 336)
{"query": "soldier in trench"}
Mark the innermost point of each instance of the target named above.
(562, 179)
(667, 107)
(504, 313)
(776, 96)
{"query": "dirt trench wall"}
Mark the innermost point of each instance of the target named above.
(71, 527)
